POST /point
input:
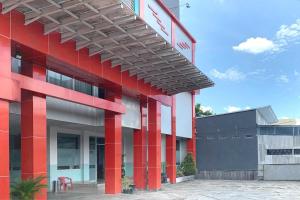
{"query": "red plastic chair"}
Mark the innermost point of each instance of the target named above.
(65, 182)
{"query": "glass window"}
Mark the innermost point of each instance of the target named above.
(53, 77)
(279, 152)
(16, 65)
(297, 151)
(83, 87)
(177, 145)
(101, 93)
(284, 131)
(267, 131)
(66, 82)
(177, 152)
(68, 151)
(93, 158)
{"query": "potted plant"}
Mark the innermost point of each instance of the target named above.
(188, 165)
(164, 178)
(127, 187)
(27, 189)
(187, 169)
(179, 172)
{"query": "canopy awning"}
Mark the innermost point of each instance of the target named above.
(112, 29)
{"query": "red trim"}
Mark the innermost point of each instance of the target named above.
(154, 145)
(173, 26)
(169, 12)
(193, 52)
(191, 143)
(113, 147)
(142, 8)
(4, 150)
(140, 151)
(34, 131)
(171, 146)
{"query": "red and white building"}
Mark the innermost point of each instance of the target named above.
(87, 83)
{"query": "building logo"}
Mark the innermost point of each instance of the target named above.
(158, 20)
(183, 45)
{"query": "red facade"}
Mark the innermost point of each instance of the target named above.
(30, 89)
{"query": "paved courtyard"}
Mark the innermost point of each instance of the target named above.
(198, 189)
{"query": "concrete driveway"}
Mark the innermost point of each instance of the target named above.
(199, 189)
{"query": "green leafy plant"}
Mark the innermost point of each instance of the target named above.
(123, 172)
(127, 186)
(179, 171)
(26, 189)
(188, 165)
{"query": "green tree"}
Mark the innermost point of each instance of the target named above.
(188, 166)
(200, 112)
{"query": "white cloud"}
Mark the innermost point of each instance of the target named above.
(206, 108)
(256, 45)
(257, 72)
(283, 78)
(230, 74)
(230, 109)
(287, 34)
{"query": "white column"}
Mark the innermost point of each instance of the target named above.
(86, 157)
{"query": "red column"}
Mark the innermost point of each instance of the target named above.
(191, 143)
(4, 150)
(154, 145)
(5, 71)
(140, 152)
(34, 131)
(171, 146)
(113, 148)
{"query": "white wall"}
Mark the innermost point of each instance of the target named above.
(278, 167)
(72, 112)
(183, 151)
(163, 148)
(132, 117)
(66, 111)
(184, 115)
(166, 120)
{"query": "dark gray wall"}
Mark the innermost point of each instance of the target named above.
(227, 142)
(174, 6)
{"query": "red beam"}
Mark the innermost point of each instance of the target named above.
(49, 89)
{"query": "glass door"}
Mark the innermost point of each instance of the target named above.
(93, 159)
(100, 159)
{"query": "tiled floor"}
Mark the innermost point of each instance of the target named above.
(198, 189)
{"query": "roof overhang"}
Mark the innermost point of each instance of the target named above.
(111, 29)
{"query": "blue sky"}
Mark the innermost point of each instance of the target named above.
(251, 50)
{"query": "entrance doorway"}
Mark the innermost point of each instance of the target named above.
(97, 159)
(100, 159)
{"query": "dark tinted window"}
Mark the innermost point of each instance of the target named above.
(267, 131)
(279, 152)
(297, 151)
(83, 87)
(284, 131)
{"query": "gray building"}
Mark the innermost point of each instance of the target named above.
(279, 152)
(250, 144)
